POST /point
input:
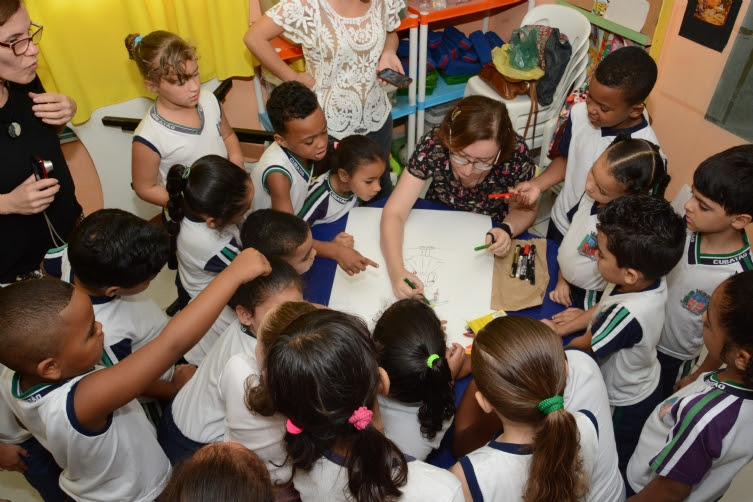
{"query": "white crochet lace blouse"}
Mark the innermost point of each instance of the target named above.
(342, 55)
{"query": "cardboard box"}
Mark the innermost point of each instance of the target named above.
(648, 27)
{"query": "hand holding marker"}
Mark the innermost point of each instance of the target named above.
(413, 286)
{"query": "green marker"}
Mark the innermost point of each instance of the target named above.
(413, 286)
(483, 246)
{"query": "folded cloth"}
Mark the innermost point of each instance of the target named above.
(481, 47)
(403, 48)
(458, 37)
(441, 56)
(459, 67)
(434, 38)
(493, 39)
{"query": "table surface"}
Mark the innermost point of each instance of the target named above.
(319, 278)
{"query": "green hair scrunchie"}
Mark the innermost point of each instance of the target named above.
(551, 404)
(186, 172)
(431, 359)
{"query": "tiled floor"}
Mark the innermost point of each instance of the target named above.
(13, 486)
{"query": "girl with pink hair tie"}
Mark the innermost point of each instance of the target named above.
(322, 374)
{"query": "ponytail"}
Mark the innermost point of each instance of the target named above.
(556, 469)
(321, 373)
(175, 184)
(520, 368)
(411, 348)
(350, 153)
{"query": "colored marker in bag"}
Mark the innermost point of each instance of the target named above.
(524, 262)
(515, 258)
(531, 271)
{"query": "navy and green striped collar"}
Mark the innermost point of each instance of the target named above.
(728, 386)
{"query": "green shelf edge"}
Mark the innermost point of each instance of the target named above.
(608, 25)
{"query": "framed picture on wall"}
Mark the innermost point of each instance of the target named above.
(710, 22)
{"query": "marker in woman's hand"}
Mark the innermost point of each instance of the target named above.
(501, 195)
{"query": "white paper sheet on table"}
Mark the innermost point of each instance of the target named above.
(629, 13)
(438, 247)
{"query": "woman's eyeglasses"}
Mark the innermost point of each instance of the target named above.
(21, 45)
(460, 160)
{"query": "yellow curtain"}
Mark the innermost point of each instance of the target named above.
(83, 54)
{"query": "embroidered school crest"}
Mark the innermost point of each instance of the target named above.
(588, 246)
(696, 301)
(666, 406)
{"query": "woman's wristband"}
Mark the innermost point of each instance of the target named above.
(506, 227)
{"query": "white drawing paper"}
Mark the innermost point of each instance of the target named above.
(438, 248)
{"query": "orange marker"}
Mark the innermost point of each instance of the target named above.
(501, 195)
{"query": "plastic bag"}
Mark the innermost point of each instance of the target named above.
(523, 51)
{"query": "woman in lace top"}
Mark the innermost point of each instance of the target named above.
(345, 44)
(472, 154)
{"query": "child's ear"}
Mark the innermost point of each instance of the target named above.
(151, 86)
(631, 276)
(740, 221)
(741, 360)
(212, 223)
(483, 402)
(244, 316)
(112, 291)
(280, 140)
(343, 175)
(636, 110)
(49, 369)
(383, 387)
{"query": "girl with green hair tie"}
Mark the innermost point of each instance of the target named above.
(544, 452)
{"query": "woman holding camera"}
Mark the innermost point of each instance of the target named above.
(35, 214)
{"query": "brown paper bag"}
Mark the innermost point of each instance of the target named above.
(512, 293)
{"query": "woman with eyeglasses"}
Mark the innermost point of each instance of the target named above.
(38, 208)
(472, 154)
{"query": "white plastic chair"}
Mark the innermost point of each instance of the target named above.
(577, 28)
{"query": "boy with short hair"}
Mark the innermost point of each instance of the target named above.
(716, 247)
(283, 173)
(87, 419)
(640, 239)
(620, 84)
(112, 256)
(276, 233)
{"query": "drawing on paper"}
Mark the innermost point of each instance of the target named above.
(424, 261)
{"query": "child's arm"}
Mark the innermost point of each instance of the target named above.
(12, 457)
(553, 174)
(346, 257)
(166, 390)
(279, 192)
(232, 144)
(473, 426)
(258, 40)
(582, 342)
(457, 470)
(662, 489)
(144, 170)
(570, 320)
(711, 363)
(561, 292)
(458, 360)
(102, 392)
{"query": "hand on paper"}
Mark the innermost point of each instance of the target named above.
(345, 239)
(502, 242)
(561, 292)
(352, 261)
(402, 290)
